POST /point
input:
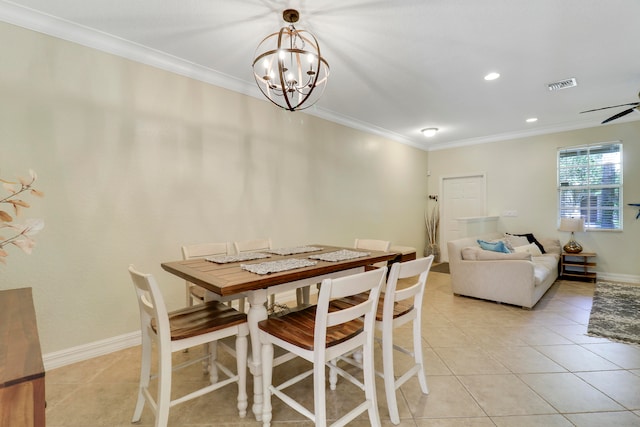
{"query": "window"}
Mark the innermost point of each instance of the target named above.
(590, 185)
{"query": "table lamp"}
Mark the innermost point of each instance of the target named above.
(573, 225)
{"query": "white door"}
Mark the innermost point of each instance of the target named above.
(460, 197)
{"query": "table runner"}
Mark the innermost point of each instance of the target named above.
(294, 250)
(247, 256)
(340, 255)
(276, 266)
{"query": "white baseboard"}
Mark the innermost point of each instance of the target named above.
(626, 278)
(72, 355)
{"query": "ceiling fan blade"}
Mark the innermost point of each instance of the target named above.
(617, 116)
(613, 106)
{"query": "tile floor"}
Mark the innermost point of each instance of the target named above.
(487, 365)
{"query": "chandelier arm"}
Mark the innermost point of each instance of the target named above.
(283, 84)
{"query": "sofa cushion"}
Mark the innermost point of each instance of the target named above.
(531, 238)
(531, 248)
(551, 246)
(474, 253)
(543, 266)
(497, 246)
(470, 253)
(515, 241)
(491, 255)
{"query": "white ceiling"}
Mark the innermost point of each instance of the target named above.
(396, 66)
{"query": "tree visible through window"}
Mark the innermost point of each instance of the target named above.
(590, 185)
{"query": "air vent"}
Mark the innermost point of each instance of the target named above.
(562, 84)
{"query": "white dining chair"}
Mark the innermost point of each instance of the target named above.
(319, 335)
(195, 292)
(175, 331)
(373, 245)
(398, 306)
(255, 245)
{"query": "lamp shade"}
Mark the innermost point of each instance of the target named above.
(572, 224)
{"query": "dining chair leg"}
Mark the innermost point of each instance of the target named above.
(370, 386)
(388, 374)
(242, 346)
(267, 375)
(302, 296)
(333, 374)
(210, 362)
(418, 357)
(164, 389)
(319, 390)
(145, 375)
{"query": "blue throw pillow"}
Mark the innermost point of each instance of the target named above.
(498, 246)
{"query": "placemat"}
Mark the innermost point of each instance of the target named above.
(294, 250)
(247, 256)
(340, 255)
(276, 266)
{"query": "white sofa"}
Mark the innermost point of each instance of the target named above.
(514, 278)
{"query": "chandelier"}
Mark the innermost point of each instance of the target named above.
(288, 67)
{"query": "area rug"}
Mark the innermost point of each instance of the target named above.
(615, 312)
(443, 267)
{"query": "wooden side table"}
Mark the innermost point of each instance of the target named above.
(578, 266)
(22, 390)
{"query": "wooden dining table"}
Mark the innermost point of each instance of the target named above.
(231, 279)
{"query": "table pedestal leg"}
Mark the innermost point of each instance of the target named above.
(257, 312)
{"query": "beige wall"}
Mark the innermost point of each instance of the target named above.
(521, 176)
(136, 161)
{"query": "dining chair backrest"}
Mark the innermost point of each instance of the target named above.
(252, 245)
(374, 245)
(201, 250)
(415, 292)
(152, 306)
(332, 289)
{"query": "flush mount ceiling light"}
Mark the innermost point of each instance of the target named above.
(492, 76)
(429, 132)
(288, 66)
(532, 120)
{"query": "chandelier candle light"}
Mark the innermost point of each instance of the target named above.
(573, 225)
(289, 68)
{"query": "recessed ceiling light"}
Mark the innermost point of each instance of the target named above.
(429, 132)
(532, 119)
(492, 76)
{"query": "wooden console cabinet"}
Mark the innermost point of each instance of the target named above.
(577, 266)
(22, 394)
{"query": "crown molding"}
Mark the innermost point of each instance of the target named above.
(89, 37)
(520, 134)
